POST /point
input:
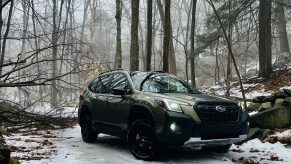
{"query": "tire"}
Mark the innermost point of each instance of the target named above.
(89, 135)
(217, 149)
(4, 154)
(141, 140)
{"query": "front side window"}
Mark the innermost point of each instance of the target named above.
(119, 80)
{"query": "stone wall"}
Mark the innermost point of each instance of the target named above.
(273, 111)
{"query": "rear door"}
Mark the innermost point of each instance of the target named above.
(99, 90)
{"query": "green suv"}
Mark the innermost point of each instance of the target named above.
(151, 109)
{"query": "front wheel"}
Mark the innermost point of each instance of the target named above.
(87, 131)
(141, 140)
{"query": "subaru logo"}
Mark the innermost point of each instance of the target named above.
(220, 108)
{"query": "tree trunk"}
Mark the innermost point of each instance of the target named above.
(154, 36)
(141, 45)
(134, 47)
(3, 45)
(172, 57)
(265, 43)
(167, 35)
(86, 6)
(1, 54)
(229, 63)
(149, 35)
(36, 44)
(54, 57)
(186, 39)
(284, 44)
(118, 55)
(192, 62)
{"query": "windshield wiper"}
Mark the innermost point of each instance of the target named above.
(145, 79)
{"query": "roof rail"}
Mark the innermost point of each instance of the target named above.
(159, 71)
(118, 69)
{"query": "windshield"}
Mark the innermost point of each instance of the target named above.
(160, 83)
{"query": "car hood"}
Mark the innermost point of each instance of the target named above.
(192, 98)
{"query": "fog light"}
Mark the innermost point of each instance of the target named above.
(173, 126)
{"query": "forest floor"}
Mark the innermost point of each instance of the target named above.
(66, 147)
(255, 87)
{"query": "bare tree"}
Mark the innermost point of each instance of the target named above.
(134, 47)
(167, 35)
(172, 57)
(210, 2)
(3, 43)
(149, 35)
(54, 100)
(118, 55)
(265, 43)
(229, 63)
(281, 18)
(193, 80)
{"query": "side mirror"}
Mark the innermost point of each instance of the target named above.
(119, 91)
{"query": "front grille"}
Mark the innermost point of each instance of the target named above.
(207, 112)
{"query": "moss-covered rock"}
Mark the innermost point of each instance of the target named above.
(279, 95)
(253, 107)
(276, 117)
(252, 72)
(265, 106)
(287, 102)
(287, 92)
(279, 102)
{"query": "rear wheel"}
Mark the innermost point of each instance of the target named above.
(88, 133)
(141, 140)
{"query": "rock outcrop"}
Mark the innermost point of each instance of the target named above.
(273, 111)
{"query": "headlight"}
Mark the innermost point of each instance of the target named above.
(170, 105)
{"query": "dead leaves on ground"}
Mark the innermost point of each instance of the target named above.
(254, 159)
(41, 149)
(244, 160)
(278, 80)
(285, 139)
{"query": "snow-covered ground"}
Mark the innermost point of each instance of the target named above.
(236, 92)
(66, 147)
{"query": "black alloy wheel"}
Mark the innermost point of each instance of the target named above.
(142, 141)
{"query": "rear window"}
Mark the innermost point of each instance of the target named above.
(100, 84)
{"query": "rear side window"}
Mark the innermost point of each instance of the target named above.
(118, 81)
(100, 84)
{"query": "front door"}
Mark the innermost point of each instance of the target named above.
(118, 106)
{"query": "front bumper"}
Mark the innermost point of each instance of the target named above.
(198, 142)
(192, 134)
